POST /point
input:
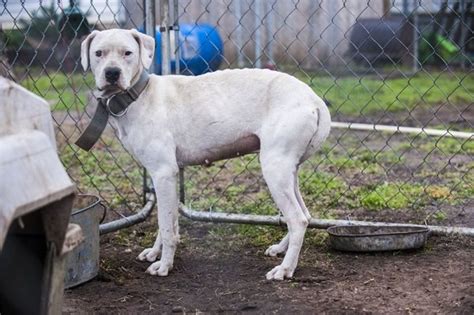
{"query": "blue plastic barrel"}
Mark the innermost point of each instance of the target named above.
(200, 48)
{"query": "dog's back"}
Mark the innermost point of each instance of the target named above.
(214, 116)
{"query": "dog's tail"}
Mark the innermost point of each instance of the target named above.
(323, 126)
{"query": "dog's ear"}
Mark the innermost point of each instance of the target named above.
(147, 47)
(85, 46)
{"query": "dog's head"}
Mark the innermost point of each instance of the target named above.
(117, 57)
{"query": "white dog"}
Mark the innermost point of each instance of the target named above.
(184, 120)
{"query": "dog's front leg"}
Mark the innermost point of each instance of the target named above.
(150, 254)
(164, 181)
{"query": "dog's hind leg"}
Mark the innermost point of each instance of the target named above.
(279, 248)
(279, 172)
(282, 246)
(300, 199)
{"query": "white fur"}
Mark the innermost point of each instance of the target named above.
(184, 120)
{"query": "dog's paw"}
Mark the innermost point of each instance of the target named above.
(149, 254)
(159, 269)
(274, 250)
(280, 273)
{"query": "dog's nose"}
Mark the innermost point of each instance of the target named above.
(112, 74)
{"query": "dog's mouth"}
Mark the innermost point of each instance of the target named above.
(111, 89)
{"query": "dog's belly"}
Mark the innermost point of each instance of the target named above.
(241, 146)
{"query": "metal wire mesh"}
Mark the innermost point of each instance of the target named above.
(40, 49)
(373, 62)
(401, 63)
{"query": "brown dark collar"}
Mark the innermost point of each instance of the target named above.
(116, 105)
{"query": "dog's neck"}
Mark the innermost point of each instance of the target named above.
(112, 103)
(138, 76)
(139, 83)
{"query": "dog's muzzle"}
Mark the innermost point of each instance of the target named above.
(112, 74)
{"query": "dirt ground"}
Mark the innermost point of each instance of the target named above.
(220, 273)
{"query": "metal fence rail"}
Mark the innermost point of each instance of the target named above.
(402, 63)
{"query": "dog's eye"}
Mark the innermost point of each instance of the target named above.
(128, 53)
(98, 53)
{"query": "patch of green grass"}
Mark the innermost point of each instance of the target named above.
(62, 91)
(245, 163)
(362, 160)
(395, 195)
(114, 176)
(342, 178)
(462, 184)
(450, 146)
(264, 236)
(147, 239)
(261, 235)
(349, 95)
(356, 96)
(124, 237)
(316, 237)
(440, 216)
(390, 195)
(322, 190)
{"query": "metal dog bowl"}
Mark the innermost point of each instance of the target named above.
(82, 263)
(361, 238)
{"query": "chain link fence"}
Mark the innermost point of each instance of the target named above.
(379, 65)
